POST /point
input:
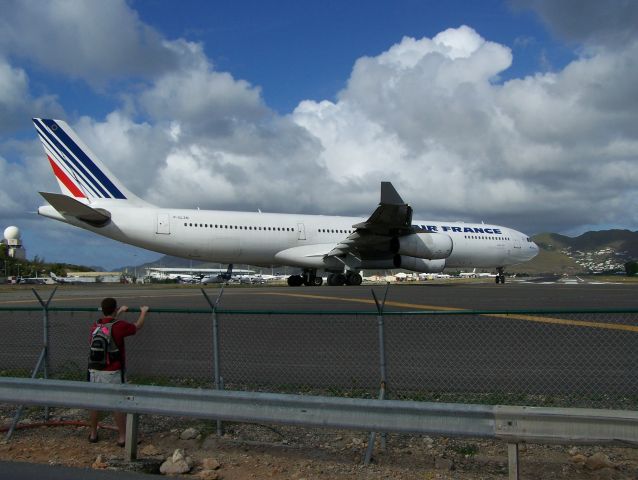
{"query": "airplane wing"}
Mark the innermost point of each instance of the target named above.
(371, 239)
(98, 217)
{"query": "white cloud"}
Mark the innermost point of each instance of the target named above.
(92, 40)
(548, 151)
(202, 100)
(16, 101)
(611, 23)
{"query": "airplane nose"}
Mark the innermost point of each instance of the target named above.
(535, 249)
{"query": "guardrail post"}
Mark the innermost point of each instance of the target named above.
(512, 460)
(218, 381)
(132, 422)
(382, 370)
(42, 359)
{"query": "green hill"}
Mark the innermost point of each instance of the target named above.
(605, 250)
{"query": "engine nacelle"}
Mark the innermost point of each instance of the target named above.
(432, 246)
(419, 264)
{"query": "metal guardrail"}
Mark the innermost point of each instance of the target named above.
(509, 423)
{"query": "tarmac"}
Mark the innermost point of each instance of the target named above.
(443, 295)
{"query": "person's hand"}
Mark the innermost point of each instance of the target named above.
(122, 309)
(144, 309)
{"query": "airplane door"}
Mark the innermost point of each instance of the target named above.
(163, 224)
(301, 229)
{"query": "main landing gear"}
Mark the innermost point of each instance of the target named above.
(308, 278)
(500, 276)
(311, 279)
(348, 278)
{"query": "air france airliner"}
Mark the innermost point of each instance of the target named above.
(94, 199)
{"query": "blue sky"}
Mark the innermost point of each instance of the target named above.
(514, 112)
(297, 50)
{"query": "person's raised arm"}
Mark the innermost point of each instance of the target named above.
(140, 321)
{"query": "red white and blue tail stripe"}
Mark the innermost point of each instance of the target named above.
(79, 172)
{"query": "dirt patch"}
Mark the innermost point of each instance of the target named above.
(251, 451)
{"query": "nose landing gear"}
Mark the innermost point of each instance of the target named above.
(500, 276)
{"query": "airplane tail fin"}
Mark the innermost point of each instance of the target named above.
(79, 172)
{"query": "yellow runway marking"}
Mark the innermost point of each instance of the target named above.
(563, 321)
(120, 298)
(360, 300)
(528, 318)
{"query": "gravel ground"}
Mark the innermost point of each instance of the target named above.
(251, 451)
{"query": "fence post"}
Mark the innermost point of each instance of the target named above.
(132, 424)
(512, 460)
(218, 381)
(42, 358)
(382, 370)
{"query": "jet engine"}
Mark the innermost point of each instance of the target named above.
(433, 246)
(419, 264)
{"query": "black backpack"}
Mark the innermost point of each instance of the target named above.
(104, 350)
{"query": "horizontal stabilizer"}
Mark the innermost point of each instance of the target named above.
(98, 217)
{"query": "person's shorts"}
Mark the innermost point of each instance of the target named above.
(105, 376)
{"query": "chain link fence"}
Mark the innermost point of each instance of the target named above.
(560, 358)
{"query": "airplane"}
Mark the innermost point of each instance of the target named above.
(94, 199)
(222, 277)
(74, 280)
(471, 274)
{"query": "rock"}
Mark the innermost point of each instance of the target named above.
(141, 465)
(605, 474)
(150, 451)
(176, 464)
(208, 475)
(210, 464)
(189, 434)
(579, 458)
(599, 460)
(99, 463)
(573, 451)
(443, 464)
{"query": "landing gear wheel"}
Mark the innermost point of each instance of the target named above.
(295, 281)
(353, 278)
(500, 276)
(317, 282)
(336, 279)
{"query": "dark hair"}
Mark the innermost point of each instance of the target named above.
(108, 306)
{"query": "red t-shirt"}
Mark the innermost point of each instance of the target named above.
(120, 330)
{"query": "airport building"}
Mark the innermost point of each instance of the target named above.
(93, 277)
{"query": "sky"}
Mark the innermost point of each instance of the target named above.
(522, 113)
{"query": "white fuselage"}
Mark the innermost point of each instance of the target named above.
(257, 238)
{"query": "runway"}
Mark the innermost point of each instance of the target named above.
(294, 344)
(401, 297)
